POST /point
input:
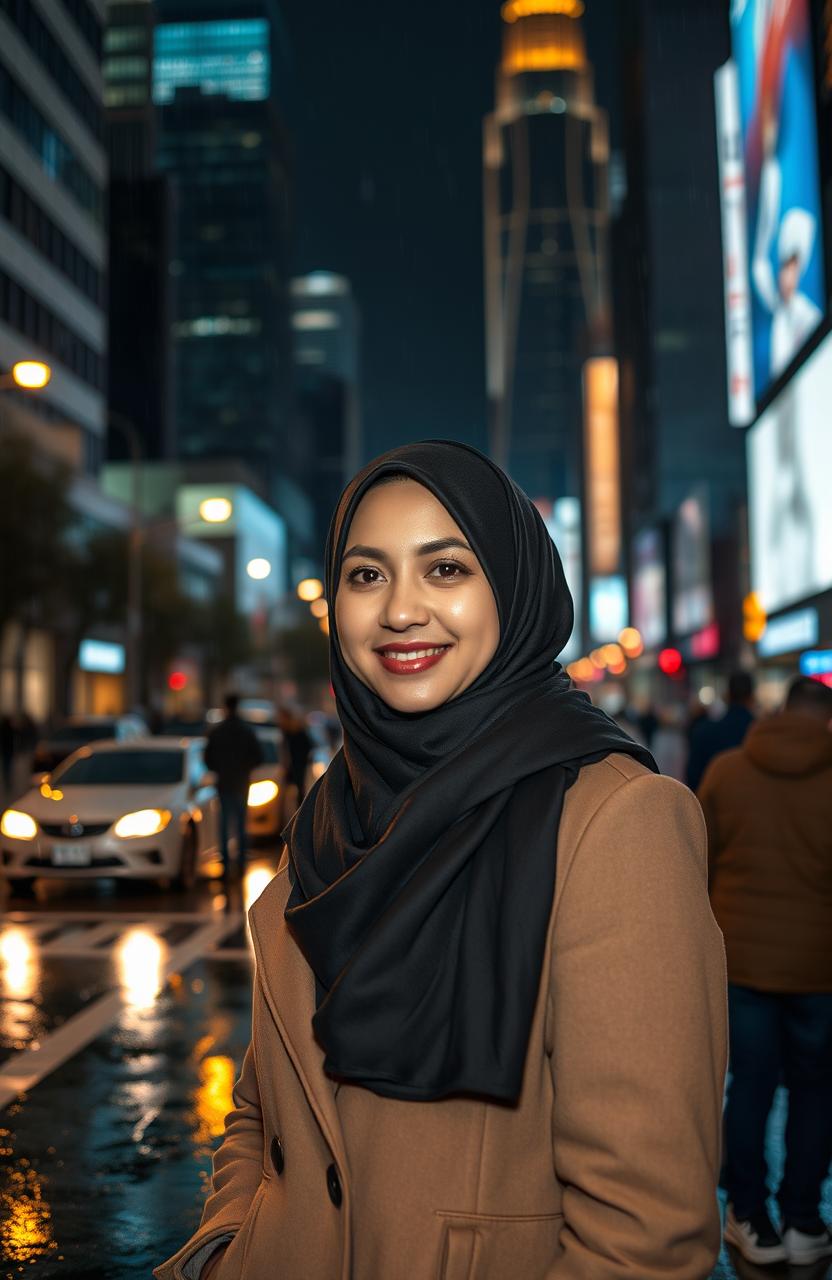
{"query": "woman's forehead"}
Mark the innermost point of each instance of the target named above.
(401, 509)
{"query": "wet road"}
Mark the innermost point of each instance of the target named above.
(124, 1016)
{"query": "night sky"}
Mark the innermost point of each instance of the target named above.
(385, 107)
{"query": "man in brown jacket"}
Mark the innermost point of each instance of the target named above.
(768, 809)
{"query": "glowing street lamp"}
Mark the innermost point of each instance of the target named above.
(31, 374)
(216, 510)
(258, 568)
(319, 608)
(310, 589)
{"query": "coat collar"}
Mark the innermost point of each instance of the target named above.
(289, 987)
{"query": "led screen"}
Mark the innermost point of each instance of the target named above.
(649, 587)
(790, 482)
(772, 49)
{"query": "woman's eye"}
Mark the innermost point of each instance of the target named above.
(449, 569)
(357, 575)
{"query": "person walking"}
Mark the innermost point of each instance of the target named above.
(231, 752)
(296, 746)
(768, 809)
(710, 737)
(488, 1032)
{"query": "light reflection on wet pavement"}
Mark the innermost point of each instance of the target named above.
(105, 1163)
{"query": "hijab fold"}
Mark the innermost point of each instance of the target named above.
(423, 861)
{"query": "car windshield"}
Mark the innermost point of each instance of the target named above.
(268, 746)
(123, 769)
(83, 732)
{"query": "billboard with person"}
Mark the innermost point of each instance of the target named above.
(772, 49)
(789, 473)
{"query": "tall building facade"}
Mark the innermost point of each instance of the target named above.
(53, 244)
(325, 345)
(683, 473)
(222, 144)
(546, 226)
(140, 391)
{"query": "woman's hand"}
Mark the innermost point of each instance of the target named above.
(213, 1264)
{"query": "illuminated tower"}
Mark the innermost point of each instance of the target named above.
(545, 153)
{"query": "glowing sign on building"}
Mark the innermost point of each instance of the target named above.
(601, 454)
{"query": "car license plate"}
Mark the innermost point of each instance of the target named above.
(71, 855)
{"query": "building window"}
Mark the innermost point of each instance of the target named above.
(57, 158)
(120, 39)
(21, 311)
(128, 95)
(25, 18)
(125, 67)
(26, 216)
(229, 58)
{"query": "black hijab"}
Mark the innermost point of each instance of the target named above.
(423, 861)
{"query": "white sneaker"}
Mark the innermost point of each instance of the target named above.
(804, 1247)
(756, 1238)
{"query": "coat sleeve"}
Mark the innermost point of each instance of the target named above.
(637, 1037)
(238, 1169)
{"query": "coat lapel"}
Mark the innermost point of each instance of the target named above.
(289, 987)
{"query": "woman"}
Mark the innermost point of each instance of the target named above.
(489, 1015)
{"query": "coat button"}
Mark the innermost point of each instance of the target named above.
(333, 1186)
(278, 1159)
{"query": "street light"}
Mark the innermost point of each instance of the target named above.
(310, 589)
(29, 375)
(258, 568)
(216, 510)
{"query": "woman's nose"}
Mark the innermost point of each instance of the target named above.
(404, 605)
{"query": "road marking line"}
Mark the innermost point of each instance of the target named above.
(30, 1066)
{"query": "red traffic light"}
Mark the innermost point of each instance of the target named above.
(177, 680)
(670, 662)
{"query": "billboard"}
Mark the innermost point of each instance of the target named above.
(789, 475)
(649, 587)
(772, 49)
(563, 521)
(693, 605)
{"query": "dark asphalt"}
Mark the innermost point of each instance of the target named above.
(104, 1163)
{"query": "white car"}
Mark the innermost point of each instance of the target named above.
(142, 809)
(268, 810)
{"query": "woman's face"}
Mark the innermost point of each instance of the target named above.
(415, 613)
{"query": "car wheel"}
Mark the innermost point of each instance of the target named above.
(186, 876)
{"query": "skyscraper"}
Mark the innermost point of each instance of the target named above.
(53, 248)
(546, 222)
(222, 143)
(140, 389)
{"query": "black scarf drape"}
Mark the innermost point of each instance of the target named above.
(423, 861)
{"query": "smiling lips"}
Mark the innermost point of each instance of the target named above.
(410, 659)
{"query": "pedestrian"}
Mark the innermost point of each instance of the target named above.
(768, 808)
(489, 1011)
(231, 752)
(710, 737)
(296, 746)
(7, 746)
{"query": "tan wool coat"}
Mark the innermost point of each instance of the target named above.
(606, 1167)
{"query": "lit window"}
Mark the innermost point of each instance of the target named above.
(230, 58)
(312, 320)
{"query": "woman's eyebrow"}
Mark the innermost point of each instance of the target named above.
(426, 549)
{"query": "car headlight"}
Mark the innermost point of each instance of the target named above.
(144, 822)
(17, 825)
(260, 793)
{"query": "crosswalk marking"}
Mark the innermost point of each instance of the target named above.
(27, 1067)
(98, 935)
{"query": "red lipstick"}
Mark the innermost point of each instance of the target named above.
(392, 656)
